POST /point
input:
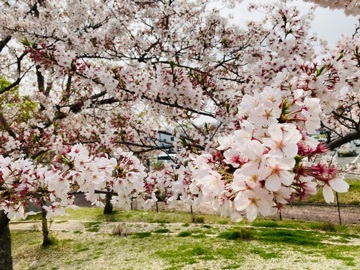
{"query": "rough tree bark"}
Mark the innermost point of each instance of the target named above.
(45, 229)
(108, 205)
(5, 243)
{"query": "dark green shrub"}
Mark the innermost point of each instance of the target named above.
(244, 234)
(162, 230)
(184, 234)
(142, 234)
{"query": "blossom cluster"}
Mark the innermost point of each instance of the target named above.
(254, 174)
(22, 182)
(121, 175)
(53, 187)
(266, 162)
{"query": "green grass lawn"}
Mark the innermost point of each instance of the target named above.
(169, 241)
(195, 248)
(96, 214)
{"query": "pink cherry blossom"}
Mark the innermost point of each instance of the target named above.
(254, 201)
(277, 171)
(283, 140)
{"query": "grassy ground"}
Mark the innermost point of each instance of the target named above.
(169, 240)
(148, 240)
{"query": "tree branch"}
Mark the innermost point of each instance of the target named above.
(4, 42)
(345, 139)
(5, 125)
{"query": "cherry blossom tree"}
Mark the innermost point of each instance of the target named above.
(350, 7)
(100, 78)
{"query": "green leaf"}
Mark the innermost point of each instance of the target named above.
(26, 42)
(319, 71)
(172, 64)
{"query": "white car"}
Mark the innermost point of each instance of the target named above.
(357, 142)
(166, 157)
(348, 149)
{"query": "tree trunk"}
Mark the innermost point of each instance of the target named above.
(108, 205)
(338, 207)
(5, 243)
(45, 229)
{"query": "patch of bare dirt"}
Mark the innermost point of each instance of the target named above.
(348, 214)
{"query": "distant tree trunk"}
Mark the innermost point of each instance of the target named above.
(108, 205)
(338, 207)
(5, 243)
(45, 229)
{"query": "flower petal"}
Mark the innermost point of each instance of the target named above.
(339, 185)
(241, 202)
(273, 183)
(328, 194)
(251, 212)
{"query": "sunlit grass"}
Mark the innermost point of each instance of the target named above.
(170, 240)
(92, 217)
(96, 214)
(200, 245)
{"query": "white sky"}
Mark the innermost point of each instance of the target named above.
(328, 24)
